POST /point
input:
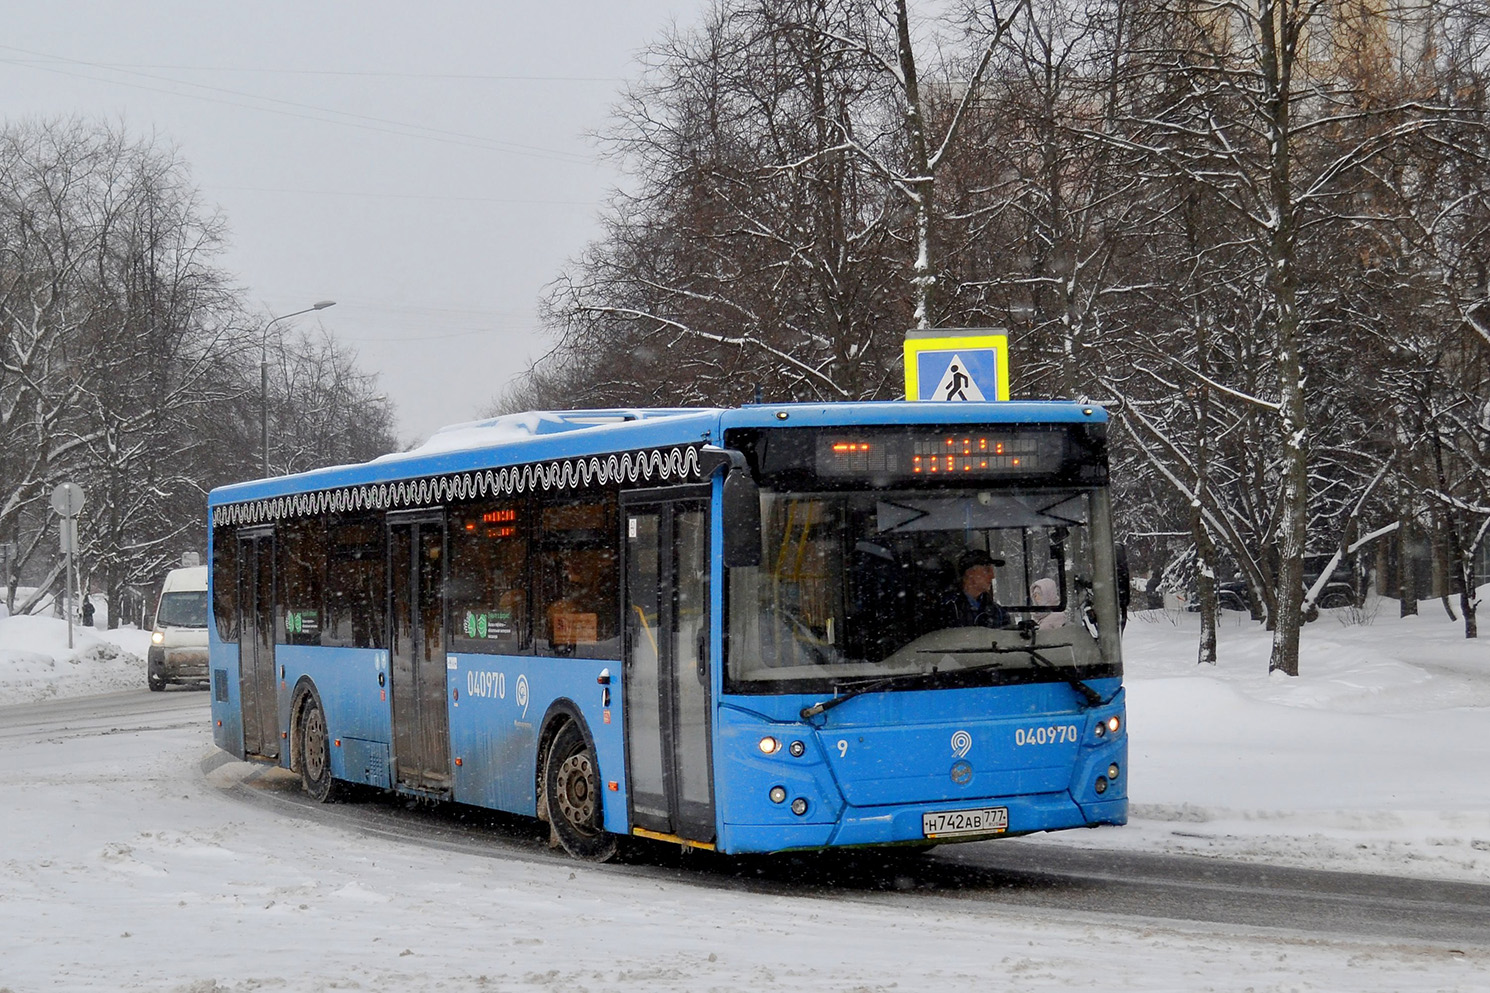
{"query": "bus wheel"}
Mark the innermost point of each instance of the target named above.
(572, 795)
(315, 754)
(156, 682)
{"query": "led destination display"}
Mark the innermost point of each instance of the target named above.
(926, 454)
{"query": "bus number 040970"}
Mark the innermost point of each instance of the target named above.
(1054, 734)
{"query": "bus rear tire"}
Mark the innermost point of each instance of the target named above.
(315, 753)
(571, 780)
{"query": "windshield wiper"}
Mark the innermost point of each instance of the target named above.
(848, 691)
(1091, 696)
(851, 690)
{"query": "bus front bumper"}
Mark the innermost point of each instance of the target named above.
(903, 825)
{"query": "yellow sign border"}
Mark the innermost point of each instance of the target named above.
(999, 343)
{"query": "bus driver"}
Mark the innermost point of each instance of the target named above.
(972, 604)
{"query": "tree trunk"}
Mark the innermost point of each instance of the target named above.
(1407, 571)
(1205, 548)
(921, 182)
(1205, 589)
(1279, 41)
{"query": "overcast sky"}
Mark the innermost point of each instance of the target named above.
(424, 165)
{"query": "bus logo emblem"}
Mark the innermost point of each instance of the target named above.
(962, 743)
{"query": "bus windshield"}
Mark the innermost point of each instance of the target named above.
(958, 586)
(186, 609)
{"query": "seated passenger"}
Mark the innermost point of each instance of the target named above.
(972, 604)
(1045, 593)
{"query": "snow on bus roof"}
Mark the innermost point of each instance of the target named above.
(511, 428)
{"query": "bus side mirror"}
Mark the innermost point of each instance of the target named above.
(742, 520)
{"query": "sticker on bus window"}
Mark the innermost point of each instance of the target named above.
(576, 629)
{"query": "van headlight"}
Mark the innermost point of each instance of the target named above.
(157, 637)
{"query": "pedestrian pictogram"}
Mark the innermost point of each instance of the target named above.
(956, 384)
(956, 366)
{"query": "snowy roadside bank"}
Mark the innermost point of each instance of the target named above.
(1366, 762)
(35, 663)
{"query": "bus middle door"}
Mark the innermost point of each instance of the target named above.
(667, 666)
(416, 651)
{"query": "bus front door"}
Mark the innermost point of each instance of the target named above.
(667, 667)
(257, 683)
(416, 644)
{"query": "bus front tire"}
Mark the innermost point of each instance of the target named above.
(315, 754)
(571, 781)
(155, 682)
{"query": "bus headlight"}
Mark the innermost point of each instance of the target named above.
(157, 637)
(1113, 723)
(777, 794)
(769, 745)
(1112, 771)
(1101, 784)
(799, 806)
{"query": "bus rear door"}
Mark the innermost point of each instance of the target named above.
(667, 666)
(257, 681)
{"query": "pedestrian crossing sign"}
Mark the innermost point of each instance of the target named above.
(956, 365)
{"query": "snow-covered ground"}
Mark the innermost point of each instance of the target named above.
(1367, 761)
(123, 866)
(35, 663)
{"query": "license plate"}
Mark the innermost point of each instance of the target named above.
(981, 820)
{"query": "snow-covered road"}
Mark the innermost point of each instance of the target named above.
(126, 867)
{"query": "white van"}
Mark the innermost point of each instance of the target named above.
(178, 644)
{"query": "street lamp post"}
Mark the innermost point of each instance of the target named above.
(264, 378)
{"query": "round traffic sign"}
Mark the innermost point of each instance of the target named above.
(67, 499)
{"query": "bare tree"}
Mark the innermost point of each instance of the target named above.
(125, 359)
(324, 409)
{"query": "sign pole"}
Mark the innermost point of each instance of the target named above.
(67, 501)
(68, 523)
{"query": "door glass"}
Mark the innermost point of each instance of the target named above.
(248, 693)
(433, 718)
(401, 652)
(264, 664)
(257, 686)
(644, 643)
(690, 671)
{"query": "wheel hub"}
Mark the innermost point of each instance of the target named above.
(315, 744)
(576, 794)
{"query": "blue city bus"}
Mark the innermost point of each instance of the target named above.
(745, 630)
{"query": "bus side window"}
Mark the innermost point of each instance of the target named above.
(488, 577)
(355, 582)
(576, 581)
(302, 570)
(225, 581)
